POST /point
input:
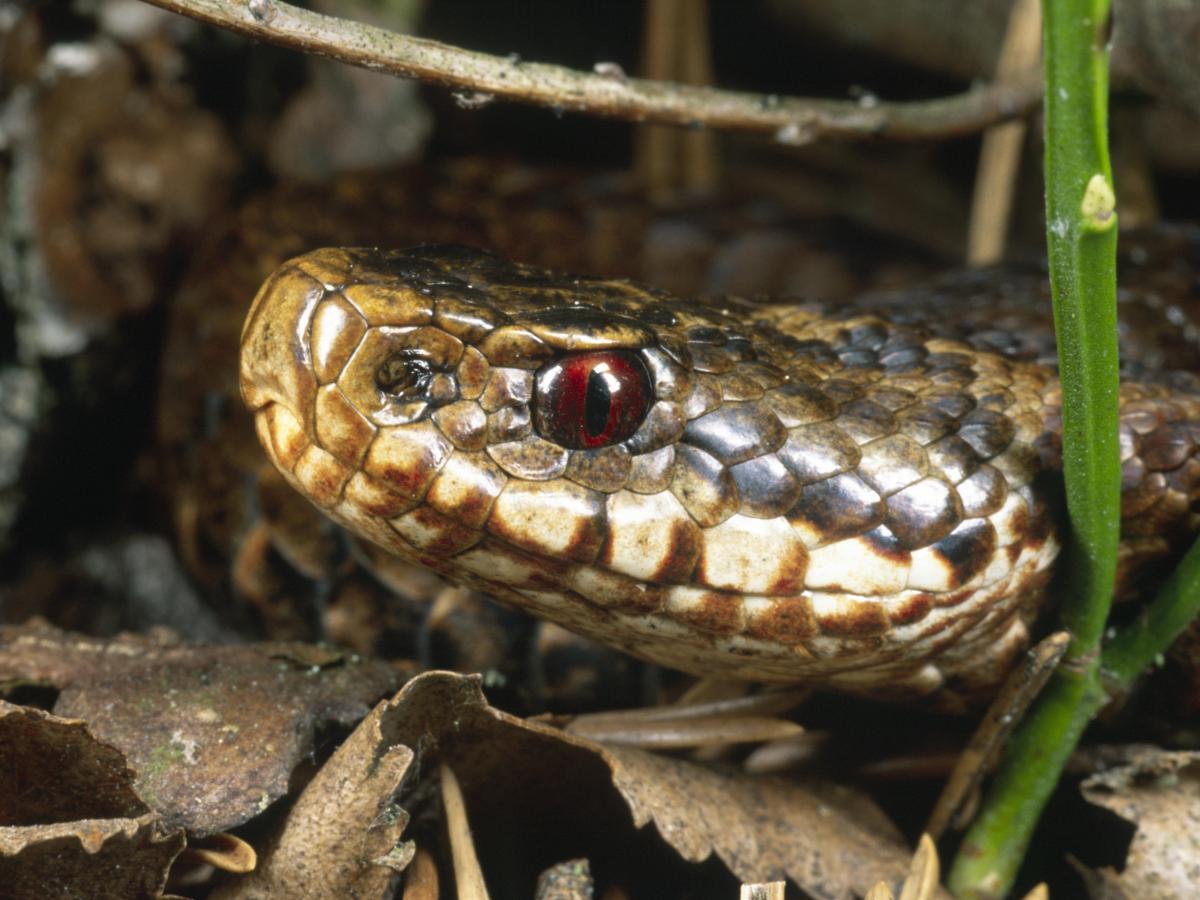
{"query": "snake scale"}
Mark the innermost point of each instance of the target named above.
(733, 488)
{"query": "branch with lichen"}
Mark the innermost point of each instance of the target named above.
(607, 92)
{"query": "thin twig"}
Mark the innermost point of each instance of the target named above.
(791, 120)
(1022, 686)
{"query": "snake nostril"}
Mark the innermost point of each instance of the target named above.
(405, 375)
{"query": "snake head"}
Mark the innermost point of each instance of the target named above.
(403, 392)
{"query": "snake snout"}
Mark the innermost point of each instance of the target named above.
(359, 397)
(276, 366)
(278, 382)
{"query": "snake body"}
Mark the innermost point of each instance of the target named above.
(850, 501)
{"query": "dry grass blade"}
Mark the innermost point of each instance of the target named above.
(654, 158)
(468, 876)
(676, 47)
(732, 720)
(700, 731)
(700, 164)
(708, 690)
(922, 882)
(925, 873)
(1000, 155)
(909, 767)
(768, 704)
(785, 755)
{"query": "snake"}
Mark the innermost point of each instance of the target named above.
(738, 488)
(267, 558)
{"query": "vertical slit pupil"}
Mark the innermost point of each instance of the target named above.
(597, 403)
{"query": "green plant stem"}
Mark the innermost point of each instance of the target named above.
(1082, 251)
(1081, 240)
(994, 847)
(1142, 642)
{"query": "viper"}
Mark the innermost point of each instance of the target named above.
(866, 500)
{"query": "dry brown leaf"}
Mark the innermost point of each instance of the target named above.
(53, 770)
(118, 857)
(69, 817)
(340, 839)
(1159, 792)
(532, 787)
(226, 852)
(213, 732)
(829, 839)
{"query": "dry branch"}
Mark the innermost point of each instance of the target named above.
(483, 77)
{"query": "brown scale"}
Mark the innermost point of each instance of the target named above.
(847, 500)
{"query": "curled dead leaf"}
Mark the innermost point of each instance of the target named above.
(129, 857)
(556, 795)
(213, 732)
(341, 837)
(57, 771)
(226, 852)
(70, 818)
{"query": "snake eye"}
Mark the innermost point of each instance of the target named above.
(592, 399)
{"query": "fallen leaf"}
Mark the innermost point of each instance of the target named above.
(54, 770)
(127, 857)
(69, 816)
(535, 795)
(213, 732)
(1159, 793)
(340, 839)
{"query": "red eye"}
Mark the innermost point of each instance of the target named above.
(592, 399)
